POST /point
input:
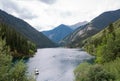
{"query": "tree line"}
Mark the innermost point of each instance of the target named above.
(19, 45)
(13, 44)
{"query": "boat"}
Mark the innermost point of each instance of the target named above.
(36, 72)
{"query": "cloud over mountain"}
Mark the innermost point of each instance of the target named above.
(11, 6)
(47, 14)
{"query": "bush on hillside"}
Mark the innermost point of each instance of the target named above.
(87, 72)
(8, 70)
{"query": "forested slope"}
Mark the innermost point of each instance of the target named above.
(9, 70)
(19, 45)
(26, 30)
(105, 45)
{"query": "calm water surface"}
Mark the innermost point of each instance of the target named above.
(56, 64)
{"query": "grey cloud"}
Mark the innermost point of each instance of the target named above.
(48, 1)
(25, 14)
(65, 14)
(61, 13)
(10, 6)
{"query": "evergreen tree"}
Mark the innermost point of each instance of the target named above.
(19, 45)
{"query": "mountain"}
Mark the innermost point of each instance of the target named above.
(97, 24)
(19, 45)
(26, 30)
(77, 25)
(105, 46)
(58, 33)
(108, 38)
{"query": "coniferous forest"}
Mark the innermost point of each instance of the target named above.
(14, 45)
(19, 45)
(10, 71)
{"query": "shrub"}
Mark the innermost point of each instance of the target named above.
(97, 73)
(114, 68)
(87, 72)
(8, 70)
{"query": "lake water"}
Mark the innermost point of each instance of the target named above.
(56, 64)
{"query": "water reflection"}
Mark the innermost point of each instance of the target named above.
(56, 64)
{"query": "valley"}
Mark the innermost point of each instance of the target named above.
(53, 40)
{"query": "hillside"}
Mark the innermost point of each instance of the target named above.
(108, 39)
(25, 29)
(12, 44)
(10, 71)
(19, 45)
(75, 39)
(105, 45)
(58, 33)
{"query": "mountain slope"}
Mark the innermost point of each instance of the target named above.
(97, 24)
(77, 25)
(107, 40)
(58, 33)
(24, 28)
(19, 45)
(105, 46)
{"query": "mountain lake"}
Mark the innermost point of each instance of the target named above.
(56, 64)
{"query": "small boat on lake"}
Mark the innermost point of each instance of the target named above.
(36, 72)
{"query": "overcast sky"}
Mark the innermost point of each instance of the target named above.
(47, 14)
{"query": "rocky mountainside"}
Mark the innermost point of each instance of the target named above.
(97, 24)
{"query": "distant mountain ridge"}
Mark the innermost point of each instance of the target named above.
(75, 39)
(77, 25)
(58, 33)
(25, 29)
